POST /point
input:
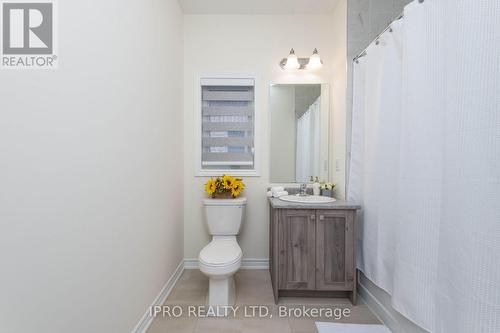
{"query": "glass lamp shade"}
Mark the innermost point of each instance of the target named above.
(314, 61)
(291, 61)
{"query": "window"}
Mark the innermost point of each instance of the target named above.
(227, 126)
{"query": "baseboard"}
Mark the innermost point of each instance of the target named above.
(245, 263)
(255, 264)
(379, 302)
(146, 319)
(378, 308)
(190, 263)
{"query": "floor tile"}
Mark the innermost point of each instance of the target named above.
(252, 293)
(169, 325)
(265, 326)
(302, 326)
(218, 325)
(192, 288)
(253, 287)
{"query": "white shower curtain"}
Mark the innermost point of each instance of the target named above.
(308, 143)
(425, 164)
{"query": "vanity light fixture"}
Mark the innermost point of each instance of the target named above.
(293, 63)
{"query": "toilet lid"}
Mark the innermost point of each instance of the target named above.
(221, 252)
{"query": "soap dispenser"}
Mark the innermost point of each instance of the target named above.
(316, 186)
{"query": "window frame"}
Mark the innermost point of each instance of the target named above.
(199, 170)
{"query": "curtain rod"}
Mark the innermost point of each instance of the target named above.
(389, 27)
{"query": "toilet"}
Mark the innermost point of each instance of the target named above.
(221, 258)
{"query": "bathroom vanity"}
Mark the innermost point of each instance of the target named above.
(312, 249)
(312, 244)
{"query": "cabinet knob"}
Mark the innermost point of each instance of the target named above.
(321, 217)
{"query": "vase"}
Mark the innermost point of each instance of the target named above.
(327, 193)
(223, 195)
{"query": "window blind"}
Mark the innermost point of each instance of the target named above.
(227, 124)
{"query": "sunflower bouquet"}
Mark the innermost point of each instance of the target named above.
(224, 187)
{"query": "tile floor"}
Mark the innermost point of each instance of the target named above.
(253, 287)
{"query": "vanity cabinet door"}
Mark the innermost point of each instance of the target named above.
(296, 247)
(335, 250)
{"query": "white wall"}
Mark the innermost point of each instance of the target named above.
(339, 112)
(91, 171)
(246, 44)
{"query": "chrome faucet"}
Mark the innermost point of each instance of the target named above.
(303, 190)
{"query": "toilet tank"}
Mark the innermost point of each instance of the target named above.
(224, 216)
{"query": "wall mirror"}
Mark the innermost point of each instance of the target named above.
(299, 132)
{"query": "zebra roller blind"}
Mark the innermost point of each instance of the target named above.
(228, 112)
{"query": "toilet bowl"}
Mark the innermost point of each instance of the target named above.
(221, 258)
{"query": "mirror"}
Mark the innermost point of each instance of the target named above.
(299, 132)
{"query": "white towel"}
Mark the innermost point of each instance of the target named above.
(279, 194)
(277, 189)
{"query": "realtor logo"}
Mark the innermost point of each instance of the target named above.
(28, 34)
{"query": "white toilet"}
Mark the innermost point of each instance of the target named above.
(221, 258)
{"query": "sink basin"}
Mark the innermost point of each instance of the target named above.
(309, 199)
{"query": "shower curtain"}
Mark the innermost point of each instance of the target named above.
(425, 164)
(308, 143)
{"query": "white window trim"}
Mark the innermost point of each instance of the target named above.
(199, 171)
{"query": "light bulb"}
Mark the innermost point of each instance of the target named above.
(314, 61)
(291, 61)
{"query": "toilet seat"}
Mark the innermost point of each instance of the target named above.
(221, 256)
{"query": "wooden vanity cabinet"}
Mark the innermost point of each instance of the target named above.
(312, 252)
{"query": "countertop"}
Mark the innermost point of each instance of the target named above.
(339, 204)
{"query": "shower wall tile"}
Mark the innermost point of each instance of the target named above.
(382, 6)
(359, 5)
(378, 22)
(356, 45)
(359, 27)
(368, 18)
(399, 6)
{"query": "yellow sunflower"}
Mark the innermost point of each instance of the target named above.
(237, 187)
(210, 186)
(227, 182)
